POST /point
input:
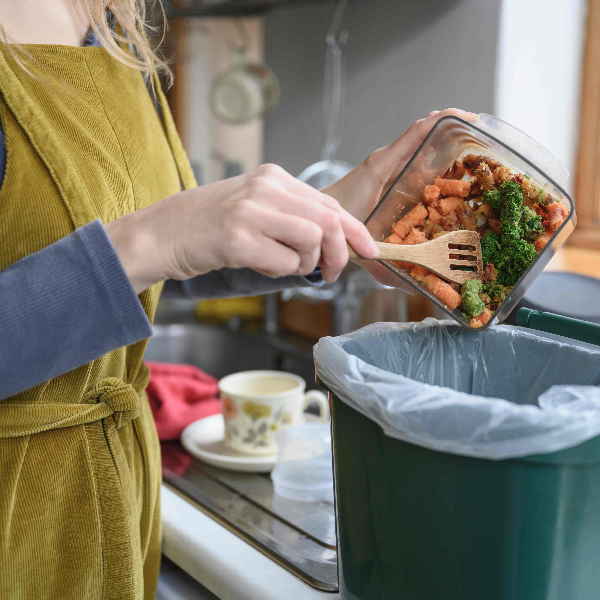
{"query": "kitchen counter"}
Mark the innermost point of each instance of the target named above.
(220, 560)
(576, 260)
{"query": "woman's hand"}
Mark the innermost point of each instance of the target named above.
(265, 220)
(360, 191)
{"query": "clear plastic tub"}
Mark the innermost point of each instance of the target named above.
(451, 139)
(303, 471)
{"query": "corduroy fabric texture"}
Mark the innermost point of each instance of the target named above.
(79, 455)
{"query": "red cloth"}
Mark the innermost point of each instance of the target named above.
(180, 395)
(174, 459)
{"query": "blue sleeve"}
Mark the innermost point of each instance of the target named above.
(236, 282)
(63, 307)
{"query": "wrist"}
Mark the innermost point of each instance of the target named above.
(356, 192)
(136, 244)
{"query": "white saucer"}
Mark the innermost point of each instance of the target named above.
(204, 440)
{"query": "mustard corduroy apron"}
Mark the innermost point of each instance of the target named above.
(79, 456)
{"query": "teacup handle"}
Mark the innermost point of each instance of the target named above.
(321, 399)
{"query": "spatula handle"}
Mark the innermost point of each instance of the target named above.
(394, 252)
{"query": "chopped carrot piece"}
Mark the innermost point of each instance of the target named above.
(393, 239)
(448, 204)
(419, 273)
(440, 288)
(482, 319)
(416, 236)
(453, 187)
(444, 291)
(434, 216)
(431, 194)
(411, 219)
(542, 241)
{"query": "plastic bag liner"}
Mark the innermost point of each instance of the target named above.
(496, 394)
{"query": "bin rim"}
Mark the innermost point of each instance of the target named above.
(553, 413)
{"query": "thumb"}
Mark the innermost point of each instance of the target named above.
(390, 160)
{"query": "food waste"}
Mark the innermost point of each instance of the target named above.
(514, 217)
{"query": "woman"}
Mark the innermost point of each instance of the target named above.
(79, 457)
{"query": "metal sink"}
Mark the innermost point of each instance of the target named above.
(218, 351)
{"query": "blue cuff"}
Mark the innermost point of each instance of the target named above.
(122, 301)
(315, 277)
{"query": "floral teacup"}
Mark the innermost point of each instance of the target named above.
(258, 404)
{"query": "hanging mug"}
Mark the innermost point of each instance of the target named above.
(244, 92)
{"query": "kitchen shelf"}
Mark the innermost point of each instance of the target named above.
(228, 8)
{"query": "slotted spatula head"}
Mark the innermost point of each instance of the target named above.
(444, 255)
(456, 249)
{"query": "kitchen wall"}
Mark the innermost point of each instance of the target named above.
(539, 72)
(203, 53)
(404, 58)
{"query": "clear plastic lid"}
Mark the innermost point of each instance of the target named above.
(449, 140)
(303, 471)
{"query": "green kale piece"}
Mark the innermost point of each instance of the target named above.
(471, 301)
(510, 253)
(493, 198)
(523, 255)
(517, 257)
(490, 247)
(510, 213)
(531, 224)
(494, 290)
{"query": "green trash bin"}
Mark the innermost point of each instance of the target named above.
(424, 518)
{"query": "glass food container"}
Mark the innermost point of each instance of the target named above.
(450, 139)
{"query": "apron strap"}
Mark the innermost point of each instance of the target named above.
(47, 146)
(109, 397)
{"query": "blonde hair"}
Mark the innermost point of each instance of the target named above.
(133, 29)
(123, 29)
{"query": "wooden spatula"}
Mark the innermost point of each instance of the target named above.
(440, 255)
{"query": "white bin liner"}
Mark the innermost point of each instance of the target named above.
(501, 393)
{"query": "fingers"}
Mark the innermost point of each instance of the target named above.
(269, 257)
(299, 234)
(339, 229)
(356, 233)
(416, 133)
(386, 163)
(335, 223)
(332, 246)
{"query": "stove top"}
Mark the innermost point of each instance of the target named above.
(299, 536)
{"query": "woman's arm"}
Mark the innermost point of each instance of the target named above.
(63, 307)
(72, 302)
(265, 220)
